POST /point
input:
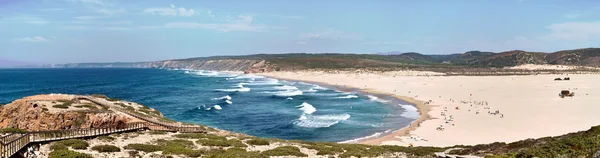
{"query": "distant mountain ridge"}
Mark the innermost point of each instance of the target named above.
(390, 60)
(578, 57)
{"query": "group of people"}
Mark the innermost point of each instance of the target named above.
(449, 120)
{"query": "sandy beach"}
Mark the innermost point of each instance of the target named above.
(475, 109)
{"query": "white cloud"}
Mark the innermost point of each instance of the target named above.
(302, 42)
(88, 17)
(184, 12)
(209, 12)
(330, 34)
(33, 39)
(161, 11)
(170, 11)
(574, 31)
(111, 11)
(243, 23)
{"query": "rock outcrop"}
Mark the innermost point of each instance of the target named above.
(36, 113)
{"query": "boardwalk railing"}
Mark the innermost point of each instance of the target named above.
(10, 147)
(13, 143)
(166, 126)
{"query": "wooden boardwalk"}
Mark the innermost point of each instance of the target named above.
(14, 142)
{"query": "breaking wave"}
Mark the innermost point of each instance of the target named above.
(348, 97)
(241, 89)
(411, 111)
(286, 87)
(288, 93)
(367, 137)
(320, 121)
(374, 98)
(307, 108)
(227, 97)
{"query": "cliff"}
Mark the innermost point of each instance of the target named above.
(54, 112)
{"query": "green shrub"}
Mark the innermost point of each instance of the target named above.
(99, 96)
(144, 147)
(106, 148)
(89, 106)
(284, 151)
(129, 108)
(13, 130)
(179, 150)
(324, 149)
(258, 142)
(157, 132)
(61, 106)
(58, 146)
(199, 136)
(221, 143)
(176, 142)
(107, 138)
(113, 99)
(75, 143)
(233, 152)
(68, 154)
(167, 119)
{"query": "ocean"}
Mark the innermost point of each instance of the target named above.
(244, 103)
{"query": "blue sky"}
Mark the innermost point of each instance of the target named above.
(66, 31)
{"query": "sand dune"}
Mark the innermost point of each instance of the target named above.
(530, 104)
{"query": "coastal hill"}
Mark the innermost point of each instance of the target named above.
(386, 61)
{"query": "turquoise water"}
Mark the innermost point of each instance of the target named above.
(248, 104)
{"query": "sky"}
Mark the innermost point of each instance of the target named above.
(73, 31)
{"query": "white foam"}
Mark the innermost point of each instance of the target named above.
(367, 137)
(311, 121)
(289, 98)
(411, 111)
(317, 87)
(248, 76)
(374, 98)
(288, 93)
(286, 87)
(208, 73)
(227, 97)
(217, 107)
(307, 108)
(267, 81)
(228, 102)
(348, 97)
(311, 90)
(241, 89)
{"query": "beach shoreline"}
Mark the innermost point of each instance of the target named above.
(471, 110)
(422, 109)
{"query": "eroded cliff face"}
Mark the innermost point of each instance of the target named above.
(196, 64)
(216, 65)
(31, 114)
